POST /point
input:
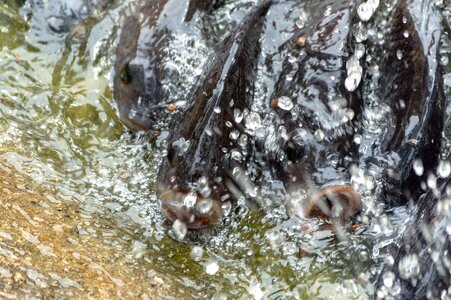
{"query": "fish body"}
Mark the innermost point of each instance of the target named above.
(202, 152)
(315, 131)
(139, 68)
(411, 84)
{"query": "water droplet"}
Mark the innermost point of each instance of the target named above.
(328, 11)
(226, 207)
(353, 81)
(179, 229)
(234, 134)
(432, 181)
(212, 268)
(353, 65)
(237, 115)
(196, 253)
(236, 155)
(409, 266)
(181, 146)
(389, 279)
(319, 135)
(190, 199)
(374, 3)
(253, 121)
(399, 54)
(360, 32)
(357, 139)
(228, 124)
(217, 110)
(405, 33)
(418, 167)
(365, 11)
(203, 187)
(255, 290)
(284, 103)
(404, 19)
(243, 141)
(359, 50)
(444, 168)
(205, 205)
(300, 24)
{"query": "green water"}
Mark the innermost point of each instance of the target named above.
(60, 134)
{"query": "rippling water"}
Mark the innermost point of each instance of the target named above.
(79, 214)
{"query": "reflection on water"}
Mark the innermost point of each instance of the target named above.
(79, 216)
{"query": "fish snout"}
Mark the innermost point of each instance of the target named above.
(333, 201)
(191, 209)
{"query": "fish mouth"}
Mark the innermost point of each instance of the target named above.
(196, 212)
(138, 122)
(332, 201)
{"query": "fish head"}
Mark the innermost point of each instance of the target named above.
(137, 93)
(137, 90)
(191, 183)
(316, 177)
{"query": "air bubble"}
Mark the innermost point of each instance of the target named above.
(179, 229)
(365, 11)
(204, 206)
(284, 103)
(196, 253)
(353, 81)
(444, 169)
(360, 32)
(234, 134)
(319, 135)
(212, 268)
(418, 167)
(237, 115)
(359, 50)
(409, 266)
(190, 199)
(253, 121)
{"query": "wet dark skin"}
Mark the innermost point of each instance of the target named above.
(413, 88)
(427, 235)
(302, 159)
(138, 67)
(416, 130)
(228, 75)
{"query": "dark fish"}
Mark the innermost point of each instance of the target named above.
(422, 266)
(138, 66)
(411, 84)
(197, 174)
(315, 114)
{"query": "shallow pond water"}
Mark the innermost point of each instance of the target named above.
(79, 215)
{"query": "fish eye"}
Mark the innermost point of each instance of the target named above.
(128, 72)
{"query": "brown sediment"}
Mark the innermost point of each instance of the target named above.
(55, 249)
(336, 202)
